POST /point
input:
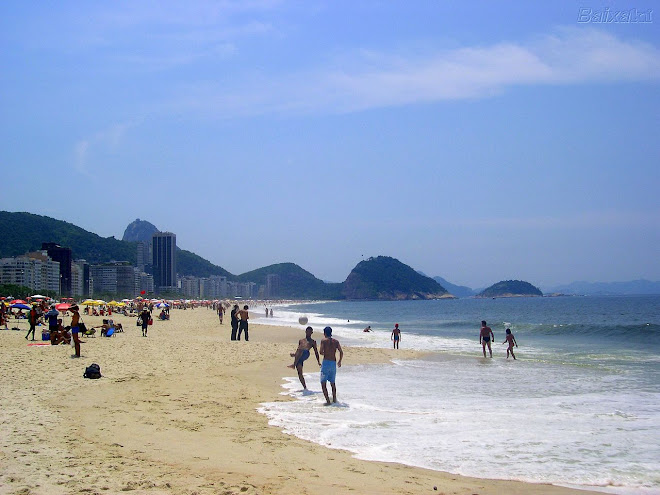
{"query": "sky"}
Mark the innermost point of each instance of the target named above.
(478, 141)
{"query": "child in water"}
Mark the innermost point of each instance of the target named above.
(511, 340)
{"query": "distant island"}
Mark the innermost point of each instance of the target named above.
(386, 278)
(511, 288)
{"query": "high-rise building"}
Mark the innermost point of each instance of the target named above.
(272, 286)
(164, 261)
(34, 270)
(63, 257)
(144, 256)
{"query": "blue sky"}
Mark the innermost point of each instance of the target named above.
(478, 141)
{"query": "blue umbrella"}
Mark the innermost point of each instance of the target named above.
(20, 306)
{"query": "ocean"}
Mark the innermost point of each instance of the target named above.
(580, 407)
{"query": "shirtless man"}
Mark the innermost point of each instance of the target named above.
(485, 337)
(302, 353)
(329, 348)
(396, 336)
(243, 316)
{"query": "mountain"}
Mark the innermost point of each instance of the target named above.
(294, 282)
(511, 288)
(388, 279)
(189, 263)
(24, 232)
(139, 230)
(456, 290)
(634, 287)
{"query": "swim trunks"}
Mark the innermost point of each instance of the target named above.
(328, 371)
(74, 329)
(486, 339)
(303, 358)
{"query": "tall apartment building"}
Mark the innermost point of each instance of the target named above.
(144, 256)
(63, 256)
(272, 286)
(34, 270)
(164, 261)
(114, 278)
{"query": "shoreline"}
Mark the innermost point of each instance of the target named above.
(177, 413)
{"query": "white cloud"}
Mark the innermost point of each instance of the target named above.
(109, 138)
(568, 56)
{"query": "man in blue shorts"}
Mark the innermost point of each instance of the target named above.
(328, 349)
(302, 353)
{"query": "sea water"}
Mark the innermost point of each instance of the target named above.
(579, 407)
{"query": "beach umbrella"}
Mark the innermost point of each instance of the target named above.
(88, 302)
(162, 305)
(19, 306)
(99, 302)
(38, 296)
(62, 306)
(113, 303)
(121, 304)
(18, 301)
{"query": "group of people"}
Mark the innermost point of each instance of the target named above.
(239, 322)
(328, 349)
(486, 335)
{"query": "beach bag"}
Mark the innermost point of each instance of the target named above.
(138, 323)
(81, 327)
(151, 321)
(92, 371)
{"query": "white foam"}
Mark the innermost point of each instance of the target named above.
(530, 421)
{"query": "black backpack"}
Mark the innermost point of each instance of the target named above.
(92, 371)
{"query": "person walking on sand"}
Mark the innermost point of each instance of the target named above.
(485, 337)
(221, 312)
(396, 336)
(75, 321)
(511, 340)
(32, 320)
(145, 316)
(328, 349)
(302, 353)
(243, 323)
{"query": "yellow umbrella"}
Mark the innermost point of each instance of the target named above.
(113, 303)
(99, 302)
(121, 304)
(88, 302)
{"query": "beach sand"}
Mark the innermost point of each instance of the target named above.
(176, 413)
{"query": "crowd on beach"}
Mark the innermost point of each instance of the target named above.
(49, 313)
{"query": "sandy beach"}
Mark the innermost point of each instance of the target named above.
(176, 413)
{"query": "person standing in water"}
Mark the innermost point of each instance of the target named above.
(396, 335)
(302, 353)
(328, 349)
(511, 340)
(486, 335)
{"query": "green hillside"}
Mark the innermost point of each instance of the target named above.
(24, 232)
(387, 278)
(188, 263)
(295, 282)
(511, 288)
